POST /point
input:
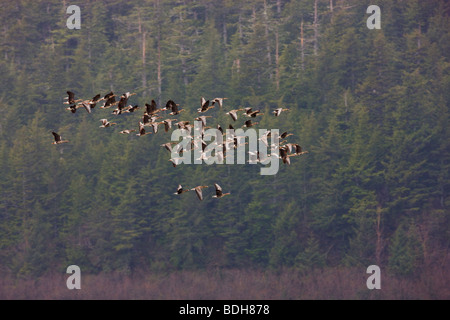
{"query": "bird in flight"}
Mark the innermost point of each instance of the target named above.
(58, 139)
(219, 193)
(198, 191)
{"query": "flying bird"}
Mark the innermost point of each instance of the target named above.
(278, 111)
(285, 135)
(181, 190)
(127, 131)
(110, 100)
(219, 101)
(106, 123)
(233, 114)
(219, 193)
(202, 119)
(72, 108)
(198, 191)
(204, 105)
(58, 139)
(142, 130)
(173, 107)
(249, 124)
(71, 98)
(168, 124)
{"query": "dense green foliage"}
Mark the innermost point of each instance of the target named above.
(370, 106)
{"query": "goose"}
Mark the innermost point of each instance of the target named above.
(155, 126)
(220, 129)
(127, 131)
(122, 103)
(264, 137)
(181, 190)
(71, 98)
(233, 114)
(278, 111)
(203, 119)
(58, 139)
(249, 124)
(219, 193)
(175, 161)
(298, 149)
(173, 107)
(253, 114)
(285, 135)
(93, 102)
(204, 106)
(219, 101)
(168, 146)
(182, 124)
(131, 108)
(142, 130)
(86, 105)
(247, 110)
(151, 108)
(72, 108)
(106, 123)
(198, 191)
(110, 100)
(147, 120)
(168, 124)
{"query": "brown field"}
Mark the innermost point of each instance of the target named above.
(326, 284)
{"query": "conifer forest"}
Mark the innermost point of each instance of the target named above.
(363, 176)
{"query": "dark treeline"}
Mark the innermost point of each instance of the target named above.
(370, 106)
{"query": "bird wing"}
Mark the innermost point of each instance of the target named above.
(218, 189)
(71, 95)
(57, 136)
(199, 193)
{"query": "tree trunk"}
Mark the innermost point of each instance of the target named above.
(277, 60)
(379, 244)
(316, 29)
(302, 46)
(266, 26)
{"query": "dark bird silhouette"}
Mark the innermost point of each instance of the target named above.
(58, 139)
(249, 124)
(219, 193)
(131, 108)
(71, 98)
(110, 100)
(142, 130)
(181, 190)
(204, 105)
(173, 107)
(285, 135)
(151, 108)
(250, 113)
(93, 102)
(72, 108)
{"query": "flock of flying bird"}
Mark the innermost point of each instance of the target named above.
(150, 117)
